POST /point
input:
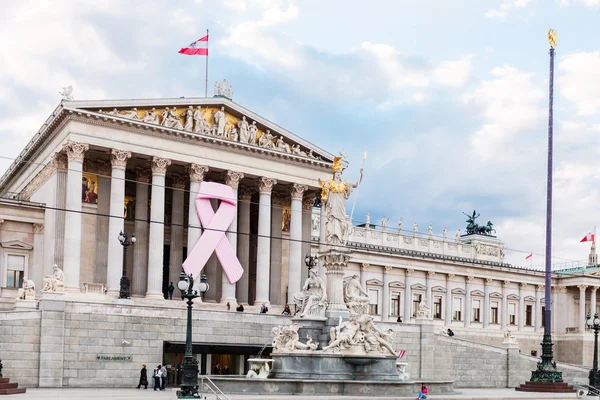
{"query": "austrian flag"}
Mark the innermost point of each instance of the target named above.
(529, 256)
(588, 238)
(194, 50)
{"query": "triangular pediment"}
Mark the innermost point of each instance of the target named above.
(495, 295)
(16, 245)
(200, 117)
(397, 285)
(529, 298)
(459, 291)
(438, 289)
(418, 286)
(513, 297)
(477, 293)
(374, 282)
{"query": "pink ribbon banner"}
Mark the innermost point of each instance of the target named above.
(213, 238)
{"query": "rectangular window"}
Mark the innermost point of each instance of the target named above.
(512, 319)
(494, 316)
(437, 308)
(373, 300)
(476, 311)
(416, 302)
(529, 315)
(15, 268)
(543, 315)
(395, 304)
(456, 309)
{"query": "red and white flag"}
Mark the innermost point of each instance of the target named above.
(401, 354)
(588, 238)
(194, 50)
(529, 256)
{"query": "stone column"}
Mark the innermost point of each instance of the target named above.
(428, 298)
(102, 220)
(307, 206)
(277, 204)
(468, 302)
(538, 307)
(228, 294)
(263, 256)
(197, 173)
(57, 241)
(243, 241)
(407, 295)
(116, 223)
(157, 228)
(448, 316)
(593, 290)
(177, 204)
(295, 257)
(504, 314)
(581, 320)
(521, 316)
(140, 250)
(336, 263)
(363, 275)
(36, 274)
(385, 307)
(486, 302)
(72, 243)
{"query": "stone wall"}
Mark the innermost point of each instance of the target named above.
(407, 337)
(20, 346)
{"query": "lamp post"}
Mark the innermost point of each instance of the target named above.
(594, 378)
(189, 366)
(125, 285)
(311, 261)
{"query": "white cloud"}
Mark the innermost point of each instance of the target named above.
(453, 73)
(579, 81)
(505, 8)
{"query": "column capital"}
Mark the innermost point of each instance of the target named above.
(197, 172)
(59, 161)
(159, 165)
(245, 193)
(506, 283)
(143, 175)
(469, 279)
(582, 287)
(488, 281)
(37, 228)
(523, 285)
(177, 181)
(559, 289)
(265, 185)
(364, 266)
(233, 179)
(450, 276)
(75, 150)
(593, 288)
(278, 200)
(103, 168)
(387, 269)
(297, 191)
(118, 158)
(408, 271)
(430, 274)
(540, 288)
(307, 203)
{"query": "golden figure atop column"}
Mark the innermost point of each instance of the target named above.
(552, 38)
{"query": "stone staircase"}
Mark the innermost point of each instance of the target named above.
(9, 388)
(553, 387)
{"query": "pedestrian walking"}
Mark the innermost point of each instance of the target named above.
(163, 377)
(171, 290)
(143, 378)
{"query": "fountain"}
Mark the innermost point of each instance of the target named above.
(258, 368)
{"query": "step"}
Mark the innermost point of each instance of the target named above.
(4, 380)
(12, 391)
(543, 387)
(8, 385)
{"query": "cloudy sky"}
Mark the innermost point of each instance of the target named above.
(449, 98)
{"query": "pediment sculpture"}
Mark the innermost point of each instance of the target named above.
(312, 300)
(287, 340)
(54, 282)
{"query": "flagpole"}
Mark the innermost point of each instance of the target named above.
(206, 78)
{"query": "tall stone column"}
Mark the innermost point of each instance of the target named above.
(407, 295)
(157, 228)
(385, 307)
(140, 250)
(102, 221)
(363, 275)
(36, 274)
(593, 290)
(336, 263)
(263, 255)
(538, 307)
(504, 314)
(486, 302)
(57, 241)
(448, 316)
(176, 252)
(295, 257)
(428, 300)
(521, 316)
(468, 305)
(243, 242)
(228, 294)
(307, 206)
(581, 320)
(277, 204)
(72, 243)
(197, 173)
(116, 223)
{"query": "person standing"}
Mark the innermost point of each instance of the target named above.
(163, 377)
(228, 306)
(171, 290)
(226, 370)
(156, 377)
(143, 378)
(217, 369)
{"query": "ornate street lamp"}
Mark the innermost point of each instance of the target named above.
(311, 261)
(125, 286)
(189, 366)
(594, 378)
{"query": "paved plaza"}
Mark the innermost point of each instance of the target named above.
(130, 394)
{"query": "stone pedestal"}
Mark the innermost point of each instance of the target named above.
(335, 262)
(311, 326)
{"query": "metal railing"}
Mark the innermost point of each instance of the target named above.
(587, 389)
(210, 385)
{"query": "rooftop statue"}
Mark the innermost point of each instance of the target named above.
(474, 229)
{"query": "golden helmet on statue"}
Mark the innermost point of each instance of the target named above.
(337, 165)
